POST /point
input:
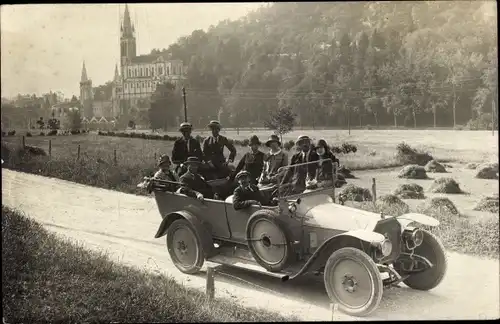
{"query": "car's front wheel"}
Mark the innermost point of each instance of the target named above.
(431, 249)
(352, 281)
(184, 247)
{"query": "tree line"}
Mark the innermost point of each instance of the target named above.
(413, 64)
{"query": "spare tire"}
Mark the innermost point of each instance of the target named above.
(268, 240)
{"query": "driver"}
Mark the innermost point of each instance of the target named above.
(213, 151)
(192, 183)
(185, 146)
(246, 194)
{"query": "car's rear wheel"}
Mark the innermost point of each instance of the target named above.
(184, 247)
(352, 281)
(431, 249)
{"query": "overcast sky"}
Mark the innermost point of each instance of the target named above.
(43, 46)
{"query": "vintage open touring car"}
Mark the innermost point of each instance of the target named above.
(305, 233)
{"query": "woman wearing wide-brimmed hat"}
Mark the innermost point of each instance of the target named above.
(252, 161)
(326, 162)
(165, 172)
(273, 161)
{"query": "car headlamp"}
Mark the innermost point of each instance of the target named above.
(417, 237)
(386, 247)
(292, 208)
(413, 237)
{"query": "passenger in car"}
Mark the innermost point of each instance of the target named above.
(246, 194)
(213, 151)
(252, 161)
(273, 161)
(193, 184)
(165, 172)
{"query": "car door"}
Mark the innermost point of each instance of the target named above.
(237, 221)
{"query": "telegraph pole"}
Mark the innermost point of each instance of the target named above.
(185, 105)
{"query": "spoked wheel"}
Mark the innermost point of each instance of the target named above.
(352, 280)
(184, 247)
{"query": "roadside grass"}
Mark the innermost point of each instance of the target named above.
(458, 233)
(48, 279)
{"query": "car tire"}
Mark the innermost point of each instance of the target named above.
(268, 240)
(184, 247)
(352, 280)
(433, 250)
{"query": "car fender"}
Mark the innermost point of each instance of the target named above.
(351, 238)
(200, 230)
(409, 218)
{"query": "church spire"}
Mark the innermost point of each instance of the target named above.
(127, 27)
(84, 73)
(117, 76)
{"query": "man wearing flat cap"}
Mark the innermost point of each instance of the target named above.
(185, 146)
(298, 175)
(213, 151)
(192, 183)
(252, 161)
(246, 194)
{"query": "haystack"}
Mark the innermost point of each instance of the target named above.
(445, 185)
(434, 166)
(409, 191)
(488, 204)
(392, 205)
(487, 171)
(471, 166)
(413, 171)
(440, 205)
(355, 193)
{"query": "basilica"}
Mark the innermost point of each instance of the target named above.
(134, 81)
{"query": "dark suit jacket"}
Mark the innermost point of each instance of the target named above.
(180, 151)
(325, 169)
(252, 163)
(192, 183)
(214, 150)
(245, 197)
(297, 175)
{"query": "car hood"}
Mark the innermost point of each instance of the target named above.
(320, 211)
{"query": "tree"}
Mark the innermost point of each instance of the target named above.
(40, 123)
(281, 121)
(73, 119)
(131, 124)
(165, 106)
(375, 106)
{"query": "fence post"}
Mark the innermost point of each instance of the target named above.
(24, 143)
(210, 289)
(78, 154)
(374, 190)
(50, 149)
(114, 157)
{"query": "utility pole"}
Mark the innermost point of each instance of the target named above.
(185, 105)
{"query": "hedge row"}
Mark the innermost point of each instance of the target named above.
(49, 133)
(345, 148)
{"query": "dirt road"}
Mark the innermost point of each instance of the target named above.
(124, 225)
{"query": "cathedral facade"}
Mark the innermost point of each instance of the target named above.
(135, 81)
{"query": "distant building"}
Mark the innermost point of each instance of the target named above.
(135, 81)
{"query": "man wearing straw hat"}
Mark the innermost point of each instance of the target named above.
(213, 151)
(273, 161)
(297, 176)
(192, 183)
(184, 147)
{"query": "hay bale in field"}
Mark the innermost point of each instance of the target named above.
(413, 171)
(391, 205)
(355, 193)
(488, 204)
(445, 185)
(409, 191)
(471, 166)
(440, 205)
(408, 155)
(434, 166)
(487, 171)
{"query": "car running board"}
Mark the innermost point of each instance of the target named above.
(247, 265)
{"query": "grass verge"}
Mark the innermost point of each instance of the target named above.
(47, 279)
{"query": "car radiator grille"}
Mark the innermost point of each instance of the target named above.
(390, 228)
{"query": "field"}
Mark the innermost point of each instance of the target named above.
(376, 158)
(39, 266)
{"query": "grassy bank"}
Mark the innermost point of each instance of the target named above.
(47, 279)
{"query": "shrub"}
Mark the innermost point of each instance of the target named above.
(471, 165)
(409, 191)
(12, 133)
(483, 122)
(52, 133)
(48, 279)
(487, 171)
(75, 131)
(433, 166)
(289, 145)
(413, 172)
(445, 185)
(42, 134)
(408, 155)
(488, 204)
(354, 193)
(28, 134)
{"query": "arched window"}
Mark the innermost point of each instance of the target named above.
(161, 70)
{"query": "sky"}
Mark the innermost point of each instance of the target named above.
(43, 46)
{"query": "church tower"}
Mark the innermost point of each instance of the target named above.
(127, 39)
(116, 93)
(86, 95)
